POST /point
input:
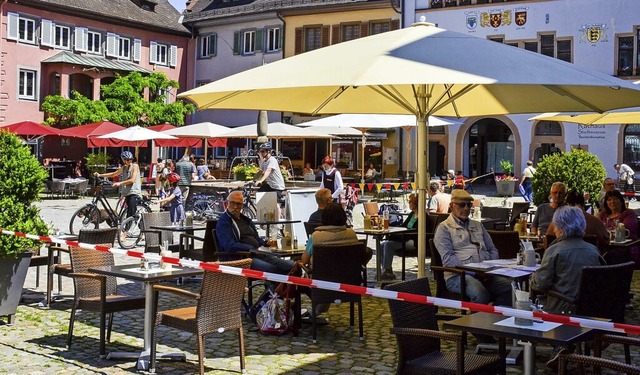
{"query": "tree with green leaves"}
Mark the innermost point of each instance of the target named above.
(21, 181)
(123, 102)
(578, 169)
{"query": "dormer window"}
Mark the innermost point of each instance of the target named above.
(149, 5)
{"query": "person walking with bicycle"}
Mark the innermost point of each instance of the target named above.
(129, 182)
(269, 172)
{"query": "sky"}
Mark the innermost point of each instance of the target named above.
(178, 4)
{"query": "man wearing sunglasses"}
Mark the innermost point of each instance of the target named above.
(460, 240)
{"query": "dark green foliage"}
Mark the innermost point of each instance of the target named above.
(123, 102)
(21, 181)
(580, 170)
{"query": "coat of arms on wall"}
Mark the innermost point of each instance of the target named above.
(495, 18)
(593, 33)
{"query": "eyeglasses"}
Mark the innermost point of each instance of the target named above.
(232, 203)
(463, 204)
(610, 184)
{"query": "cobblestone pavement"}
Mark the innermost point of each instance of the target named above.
(36, 343)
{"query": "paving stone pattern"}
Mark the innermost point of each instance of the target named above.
(36, 344)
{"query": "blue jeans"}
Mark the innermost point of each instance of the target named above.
(494, 289)
(271, 263)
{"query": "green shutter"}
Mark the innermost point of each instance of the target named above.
(213, 44)
(237, 43)
(259, 39)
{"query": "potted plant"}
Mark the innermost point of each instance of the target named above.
(22, 179)
(245, 172)
(505, 183)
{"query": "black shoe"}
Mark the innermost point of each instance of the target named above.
(388, 275)
(553, 362)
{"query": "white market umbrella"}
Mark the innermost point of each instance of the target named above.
(277, 130)
(421, 70)
(135, 134)
(620, 116)
(200, 130)
(364, 121)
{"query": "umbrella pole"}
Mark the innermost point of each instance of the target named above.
(206, 147)
(423, 176)
(364, 140)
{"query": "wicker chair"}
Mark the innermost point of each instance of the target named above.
(438, 271)
(340, 264)
(217, 309)
(606, 339)
(507, 242)
(206, 253)
(97, 292)
(153, 238)
(103, 236)
(416, 328)
(58, 187)
(596, 362)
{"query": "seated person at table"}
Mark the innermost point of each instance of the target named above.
(563, 261)
(460, 240)
(307, 169)
(615, 211)
(394, 243)
(236, 232)
(438, 202)
(594, 225)
(544, 212)
(372, 175)
(323, 197)
(333, 231)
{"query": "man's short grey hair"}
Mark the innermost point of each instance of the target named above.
(561, 184)
(570, 220)
(234, 193)
(434, 186)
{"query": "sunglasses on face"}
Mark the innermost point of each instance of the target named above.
(463, 204)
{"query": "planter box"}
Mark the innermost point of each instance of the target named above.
(13, 272)
(505, 188)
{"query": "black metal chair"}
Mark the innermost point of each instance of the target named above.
(517, 209)
(501, 214)
(419, 340)
(206, 253)
(507, 242)
(340, 264)
(310, 228)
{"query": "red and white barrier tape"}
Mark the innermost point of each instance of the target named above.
(347, 288)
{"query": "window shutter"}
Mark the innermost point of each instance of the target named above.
(81, 39)
(137, 49)
(213, 44)
(298, 41)
(364, 29)
(325, 36)
(173, 56)
(335, 34)
(395, 25)
(153, 53)
(280, 39)
(237, 42)
(112, 45)
(47, 32)
(259, 39)
(12, 26)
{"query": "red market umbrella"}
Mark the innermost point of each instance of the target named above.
(161, 127)
(217, 142)
(33, 130)
(184, 142)
(96, 129)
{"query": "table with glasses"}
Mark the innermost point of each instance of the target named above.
(281, 253)
(504, 328)
(148, 277)
(379, 235)
(189, 229)
(269, 223)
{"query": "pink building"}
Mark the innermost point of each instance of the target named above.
(56, 46)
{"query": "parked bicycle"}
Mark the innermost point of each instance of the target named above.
(207, 207)
(100, 212)
(249, 209)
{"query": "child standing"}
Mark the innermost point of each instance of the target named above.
(174, 199)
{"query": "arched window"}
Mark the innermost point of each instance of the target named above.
(631, 151)
(548, 128)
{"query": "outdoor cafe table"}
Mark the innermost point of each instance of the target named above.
(148, 278)
(539, 333)
(269, 223)
(50, 260)
(189, 229)
(378, 235)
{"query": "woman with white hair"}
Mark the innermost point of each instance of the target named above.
(563, 261)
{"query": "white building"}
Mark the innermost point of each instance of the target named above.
(603, 35)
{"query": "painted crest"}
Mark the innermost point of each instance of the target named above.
(495, 19)
(472, 20)
(521, 17)
(593, 33)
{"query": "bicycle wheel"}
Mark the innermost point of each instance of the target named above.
(142, 208)
(199, 209)
(130, 233)
(249, 210)
(87, 217)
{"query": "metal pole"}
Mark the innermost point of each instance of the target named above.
(422, 175)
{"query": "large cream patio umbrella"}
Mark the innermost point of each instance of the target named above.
(136, 134)
(363, 122)
(277, 130)
(421, 70)
(620, 116)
